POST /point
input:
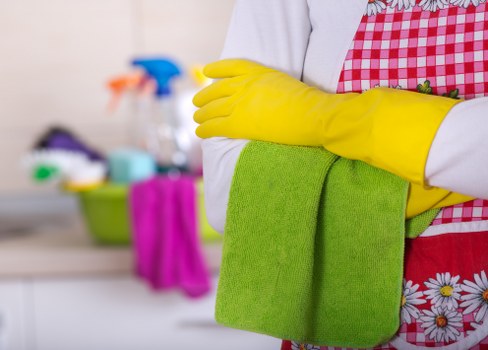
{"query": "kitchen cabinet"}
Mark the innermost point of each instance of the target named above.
(112, 312)
(121, 313)
(14, 315)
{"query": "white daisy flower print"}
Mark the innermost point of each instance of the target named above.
(401, 4)
(374, 7)
(433, 5)
(444, 290)
(299, 346)
(466, 3)
(477, 297)
(441, 324)
(410, 298)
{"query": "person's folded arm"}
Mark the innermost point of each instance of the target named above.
(387, 128)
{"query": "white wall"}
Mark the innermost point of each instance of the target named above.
(56, 55)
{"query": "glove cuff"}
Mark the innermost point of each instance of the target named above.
(405, 127)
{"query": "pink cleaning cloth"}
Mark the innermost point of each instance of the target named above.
(166, 240)
(143, 203)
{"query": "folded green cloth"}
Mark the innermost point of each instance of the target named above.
(313, 247)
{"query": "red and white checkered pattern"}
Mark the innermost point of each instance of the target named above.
(413, 334)
(476, 210)
(449, 48)
(405, 48)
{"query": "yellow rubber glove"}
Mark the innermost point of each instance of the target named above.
(388, 128)
(421, 199)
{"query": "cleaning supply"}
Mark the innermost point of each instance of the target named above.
(388, 128)
(139, 88)
(162, 70)
(163, 137)
(59, 138)
(129, 165)
(208, 234)
(185, 111)
(72, 169)
(121, 84)
(106, 213)
(313, 247)
(162, 121)
(60, 157)
(167, 246)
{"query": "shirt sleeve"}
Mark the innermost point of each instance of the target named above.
(458, 156)
(274, 33)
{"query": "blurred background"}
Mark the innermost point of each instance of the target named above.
(104, 242)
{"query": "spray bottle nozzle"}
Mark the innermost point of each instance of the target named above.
(162, 70)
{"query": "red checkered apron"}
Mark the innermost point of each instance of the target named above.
(436, 47)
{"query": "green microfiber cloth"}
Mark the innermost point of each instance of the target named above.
(313, 247)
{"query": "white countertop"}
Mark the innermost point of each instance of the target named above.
(68, 251)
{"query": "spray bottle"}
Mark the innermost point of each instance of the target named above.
(161, 132)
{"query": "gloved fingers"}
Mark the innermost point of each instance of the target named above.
(230, 68)
(218, 89)
(221, 107)
(215, 127)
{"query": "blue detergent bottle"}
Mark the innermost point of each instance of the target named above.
(160, 125)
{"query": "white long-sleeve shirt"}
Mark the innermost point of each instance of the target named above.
(309, 39)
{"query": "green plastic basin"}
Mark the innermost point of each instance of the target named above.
(106, 214)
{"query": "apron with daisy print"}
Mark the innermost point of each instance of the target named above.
(434, 47)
